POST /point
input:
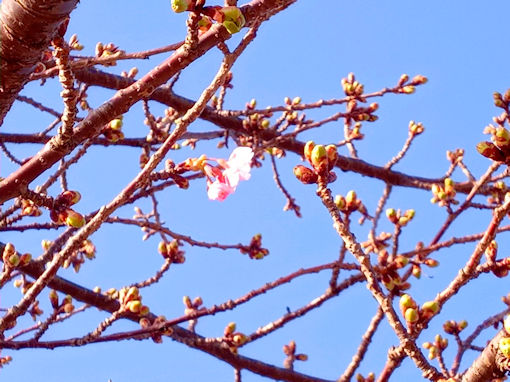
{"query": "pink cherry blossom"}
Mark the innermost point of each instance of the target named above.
(229, 173)
(218, 190)
(238, 165)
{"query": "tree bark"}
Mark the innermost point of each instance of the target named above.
(26, 30)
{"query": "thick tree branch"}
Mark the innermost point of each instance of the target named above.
(485, 367)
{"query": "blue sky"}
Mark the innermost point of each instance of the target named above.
(304, 51)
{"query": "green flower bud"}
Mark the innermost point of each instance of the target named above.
(233, 19)
(406, 302)
(411, 315)
(74, 219)
(504, 346)
(179, 6)
(319, 159)
(430, 308)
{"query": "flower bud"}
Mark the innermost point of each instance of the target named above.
(233, 19)
(179, 6)
(74, 219)
(131, 294)
(419, 80)
(406, 302)
(307, 151)
(115, 124)
(332, 156)
(504, 346)
(68, 308)
(301, 357)
(197, 301)
(305, 175)
(162, 248)
(403, 79)
(13, 260)
(134, 306)
(230, 328)
(340, 202)
(351, 198)
(429, 308)
(411, 315)
(409, 89)
(489, 150)
(53, 298)
(187, 302)
(416, 270)
(431, 263)
(391, 214)
(25, 259)
(204, 24)
(69, 197)
(401, 261)
(239, 339)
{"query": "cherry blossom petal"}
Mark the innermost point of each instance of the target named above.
(219, 190)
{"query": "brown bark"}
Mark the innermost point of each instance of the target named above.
(486, 368)
(26, 29)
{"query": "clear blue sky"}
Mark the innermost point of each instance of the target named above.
(304, 51)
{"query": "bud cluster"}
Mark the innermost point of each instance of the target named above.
(234, 339)
(498, 192)
(12, 259)
(323, 160)
(5, 360)
(351, 87)
(499, 148)
(397, 218)
(502, 101)
(437, 347)
(350, 203)
(131, 301)
(175, 172)
(172, 251)
(290, 351)
(113, 130)
(416, 128)
(454, 327)
(255, 250)
(405, 86)
(62, 214)
(444, 195)
(65, 306)
(369, 378)
(414, 315)
(87, 250)
(191, 306)
(29, 208)
(108, 50)
(230, 17)
(145, 322)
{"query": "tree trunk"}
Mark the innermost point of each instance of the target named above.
(26, 27)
